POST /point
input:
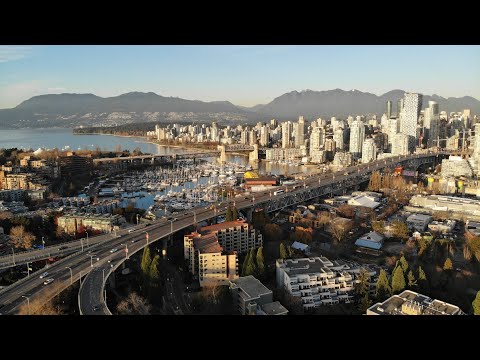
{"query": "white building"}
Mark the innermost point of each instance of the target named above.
(338, 138)
(319, 281)
(400, 144)
(456, 166)
(342, 159)
(419, 222)
(357, 136)
(300, 134)
(443, 227)
(317, 156)
(317, 138)
(431, 123)
(369, 151)
(412, 105)
(286, 131)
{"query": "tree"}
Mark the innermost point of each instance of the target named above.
(383, 287)
(347, 211)
(250, 267)
(134, 304)
(448, 266)
(361, 286)
(324, 218)
(364, 304)
(398, 280)
(273, 232)
(378, 226)
(260, 261)
(476, 304)
(283, 251)
(422, 279)
(471, 247)
(339, 231)
(146, 262)
(245, 262)
(235, 214)
(229, 215)
(411, 280)
(404, 264)
(375, 181)
(154, 274)
(20, 237)
(400, 230)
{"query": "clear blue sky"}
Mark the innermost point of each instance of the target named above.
(244, 75)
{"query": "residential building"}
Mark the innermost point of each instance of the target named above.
(338, 139)
(400, 144)
(431, 123)
(286, 134)
(357, 136)
(409, 117)
(342, 159)
(12, 195)
(443, 227)
(369, 151)
(71, 164)
(71, 223)
(301, 247)
(456, 166)
(389, 109)
(413, 303)
(300, 134)
(419, 222)
(317, 138)
(251, 297)
(457, 205)
(319, 281)
(373, 240)
(317, 156)
(264, 135)
(212, 251)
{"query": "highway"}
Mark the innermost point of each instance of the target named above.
(92, 290)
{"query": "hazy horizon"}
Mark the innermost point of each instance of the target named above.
(245, 75)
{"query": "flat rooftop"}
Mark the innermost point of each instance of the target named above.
(222, 226)
(274, 308)
(207, 244)
(251, 286)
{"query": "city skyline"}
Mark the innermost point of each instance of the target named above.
(245, 75)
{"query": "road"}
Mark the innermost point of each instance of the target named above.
(91, 293)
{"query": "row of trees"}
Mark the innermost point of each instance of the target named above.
(232, 213)
(150, 273)
(254, 263)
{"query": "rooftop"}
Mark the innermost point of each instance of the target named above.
(274, 308)
(419, 217)
(251, 286)
(222, 226)
(207, 244)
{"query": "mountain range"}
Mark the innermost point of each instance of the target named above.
(72, 110)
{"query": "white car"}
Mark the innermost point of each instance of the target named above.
(45, 274)
(48, 281)
(113, 250)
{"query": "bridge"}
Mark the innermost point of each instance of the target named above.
(158, 158)
(109, 255)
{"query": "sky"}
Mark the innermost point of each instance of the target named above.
(242, 74)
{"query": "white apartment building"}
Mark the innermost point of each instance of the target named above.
(412, 105)
(357, 136)
(286, 134)
(343, 159)
(338, 138)
(369, 151)
(431, 123)
(319, 281)
(300, 134)
(317, 156)
(400, 144)
(456, 166)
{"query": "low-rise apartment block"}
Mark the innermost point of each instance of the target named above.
(251, 297)
(412, 303)
(319, 281)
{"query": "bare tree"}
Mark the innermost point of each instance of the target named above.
(134, 304)
(19, 237)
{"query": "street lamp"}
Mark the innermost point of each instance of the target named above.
(28, 269)
(103, 276)
(43, 242)
(28, 303)
(71, 274)
(194, 217)
(81, 243)
(86, 232)
(91, 260)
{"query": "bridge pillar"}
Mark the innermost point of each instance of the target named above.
(253, 155)
(111, 280)
(249, 215)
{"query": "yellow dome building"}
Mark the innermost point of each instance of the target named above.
(251, 175)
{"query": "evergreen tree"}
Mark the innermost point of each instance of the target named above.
(364, 304)
(411, 280)
(146, 261)
(154, 274)
(476, 304)
(290, 252)
(404, 264)
(260, 261)
(422, 280)
(283, 251)
(245, 262)
(383, 287)
(229, 215)
(250, 268)
(235, 214)
(361, 287)
(448, 266)
(398, 280)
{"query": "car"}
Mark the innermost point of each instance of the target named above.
(131, 230)
(48, 281)
(113, 250)
(134, 240)
(96, 308)
(174, 219)
(148, 224)
(45, 274)
(63, 247)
